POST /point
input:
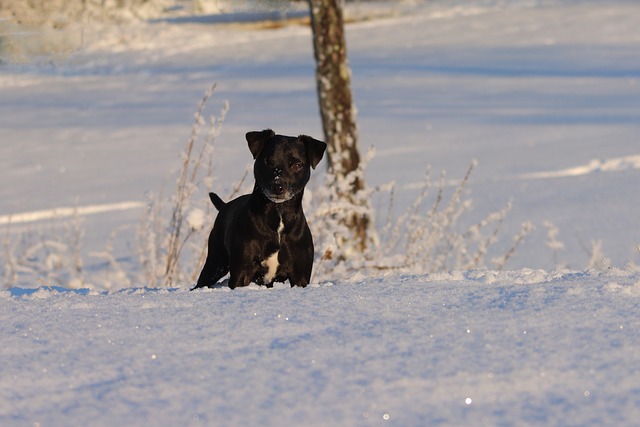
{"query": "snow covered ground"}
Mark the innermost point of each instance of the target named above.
(476, 348)
(544, 94)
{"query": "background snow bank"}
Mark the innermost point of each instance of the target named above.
(493, 348)
(544, 95)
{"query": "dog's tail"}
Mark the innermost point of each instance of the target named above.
(217, 201)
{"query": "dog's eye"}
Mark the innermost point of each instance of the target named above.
(296, 166)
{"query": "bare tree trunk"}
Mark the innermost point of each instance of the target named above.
(333, 78)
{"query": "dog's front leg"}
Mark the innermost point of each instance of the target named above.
(301, 282)
(298, 261)
(245, 260)
(300, 275)
(240, 278)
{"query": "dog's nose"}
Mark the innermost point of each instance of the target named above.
(278, 189)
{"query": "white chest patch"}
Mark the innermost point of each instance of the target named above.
(271, 263)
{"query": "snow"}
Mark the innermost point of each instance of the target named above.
(595, 165)
(525, 347)
(65, 212)
(544, 94)
(196, 219)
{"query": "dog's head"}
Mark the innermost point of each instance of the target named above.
(283, 163)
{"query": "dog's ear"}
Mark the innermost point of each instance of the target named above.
(256, 140)
(315, 149)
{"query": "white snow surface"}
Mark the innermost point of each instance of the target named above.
(544, 94)
(523, 347)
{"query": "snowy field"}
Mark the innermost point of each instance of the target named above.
(544, 94)
(475, 349)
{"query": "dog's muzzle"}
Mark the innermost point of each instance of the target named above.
(278, 192)
(278, 199)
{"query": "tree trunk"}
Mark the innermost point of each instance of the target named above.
(338, 113)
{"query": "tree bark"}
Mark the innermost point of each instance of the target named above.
(337, 110)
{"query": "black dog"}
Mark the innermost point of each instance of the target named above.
(263, 237)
